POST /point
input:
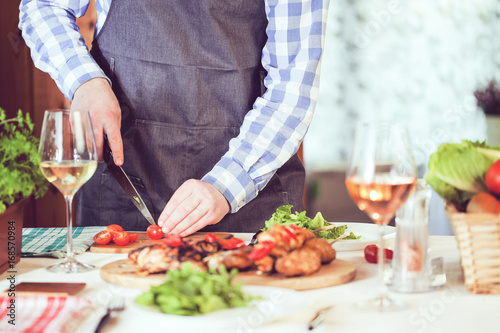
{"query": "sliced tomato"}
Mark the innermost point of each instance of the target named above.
(210, 238)
(121, 238)
(133, 236)
(154, 232)
(261, 250)
(114, 228)
(231, 243)
(103, 237)
(173, 240)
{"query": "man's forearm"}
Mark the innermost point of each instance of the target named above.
(57, 47)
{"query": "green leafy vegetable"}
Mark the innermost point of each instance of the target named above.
(20, 174)
(456, 170)
(189, 292)
(284, 216)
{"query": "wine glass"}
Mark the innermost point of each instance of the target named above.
(380, 177)
(68, 160)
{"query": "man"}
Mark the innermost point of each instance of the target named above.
(204, 103)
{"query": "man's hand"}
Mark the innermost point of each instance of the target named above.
(193, 206)
(97, 97)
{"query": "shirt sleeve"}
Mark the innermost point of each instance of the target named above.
(57, 47)
(273, 130)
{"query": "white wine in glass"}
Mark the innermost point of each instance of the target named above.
(380, 177)
(68, 160)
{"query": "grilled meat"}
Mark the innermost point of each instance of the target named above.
(151, 259)
(324, 248)
(286, 238)
(288, 250)
(161, 258)
(302, 261)
(296, 251)
(205, 247)
(265, 265)
(231, 259)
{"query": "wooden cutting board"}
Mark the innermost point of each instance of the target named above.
(144, 240)
(46, 288)
(122, 273)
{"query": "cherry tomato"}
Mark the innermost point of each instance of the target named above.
(103, 237)
(121, 238)
(371, 253)
(155, 232)
(492, 178)
(261, 250)
(173, 240)
(133, 236)
(210, 238)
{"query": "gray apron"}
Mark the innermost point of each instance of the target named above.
(185, 74)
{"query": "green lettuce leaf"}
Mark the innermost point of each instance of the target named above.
(284, 216)
(456, 170)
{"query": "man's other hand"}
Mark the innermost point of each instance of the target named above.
(194, 205)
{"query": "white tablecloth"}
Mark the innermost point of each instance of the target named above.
(449, 309)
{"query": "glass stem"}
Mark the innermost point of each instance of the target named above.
(381, 261)
(69, 219)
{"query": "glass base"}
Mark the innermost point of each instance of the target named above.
(381, 303)
(70, 266)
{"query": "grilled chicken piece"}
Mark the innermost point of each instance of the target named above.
(303, 261)
(161, 258)
(324, 248)
(265, 265)
(286, 238)
(231, 259)
(152, 259)
(205, 247)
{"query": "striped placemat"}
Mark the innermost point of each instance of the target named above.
(51, 242)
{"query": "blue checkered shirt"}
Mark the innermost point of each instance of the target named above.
(271, 132)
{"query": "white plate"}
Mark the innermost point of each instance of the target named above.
(368, 233)
(276, 303)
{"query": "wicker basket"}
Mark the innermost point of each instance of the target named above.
(478, 238)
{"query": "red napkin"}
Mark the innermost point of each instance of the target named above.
(37, 314)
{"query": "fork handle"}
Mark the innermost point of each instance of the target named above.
(103, 322)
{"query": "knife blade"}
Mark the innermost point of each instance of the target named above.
(124, 181)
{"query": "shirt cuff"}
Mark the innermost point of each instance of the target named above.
(233, 182)
(76, 71)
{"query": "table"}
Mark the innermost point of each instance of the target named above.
(449, 309)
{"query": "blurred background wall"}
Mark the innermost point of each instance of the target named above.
(415, 62)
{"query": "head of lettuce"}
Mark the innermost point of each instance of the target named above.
(456, 171)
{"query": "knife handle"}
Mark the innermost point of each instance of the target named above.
(106, 151)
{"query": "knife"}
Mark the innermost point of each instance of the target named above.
(124, 181)
(318, 318)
